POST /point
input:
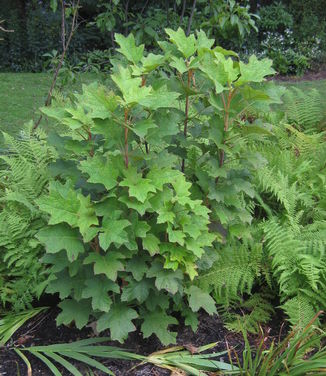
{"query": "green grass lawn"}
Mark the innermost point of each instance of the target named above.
(21, 94)
(320, 85)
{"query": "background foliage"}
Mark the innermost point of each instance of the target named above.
(291, 32)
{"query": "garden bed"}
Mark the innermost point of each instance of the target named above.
(42, 330)
(308, 76)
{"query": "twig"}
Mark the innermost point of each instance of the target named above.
(126, 17)
(191, 16)
(63, 25)
(143, 8)
(74, 27)
(183, 11)
(167, 12)
(3, 29)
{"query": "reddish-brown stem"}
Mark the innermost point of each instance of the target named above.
(226, 123)
(185, 126)
(126, 139)
(143, 83)
(81, 135)
(95, 244)
(89, 138)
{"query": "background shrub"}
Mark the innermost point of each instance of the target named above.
(297, 28)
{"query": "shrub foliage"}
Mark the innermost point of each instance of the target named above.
(148, 184)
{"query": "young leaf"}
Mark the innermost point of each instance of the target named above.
(186, 45)
(130, 87)
(200, 299)
(255, 71)
(128, 47)
(139, 187)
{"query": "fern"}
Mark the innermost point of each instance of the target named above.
(254, 311)
(300, 310)
(23, 179)
(304, 108)
(292, 201)
(297, 263)
(295, 234)
(234, 272)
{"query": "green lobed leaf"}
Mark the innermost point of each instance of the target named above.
(136, 290)
(255, 71)
(98, 101)
(74, 311)
(113, 231)
(65, 204)
(138, 267)
(100, 171)
(97, 289)
(157, 323)
(151, 244)
(130, 87)
(200, 299)
(139, 187)
(168, 280)
(128, 47)
(61, 236)
(186, 45)
(110, 264)
(119, 321)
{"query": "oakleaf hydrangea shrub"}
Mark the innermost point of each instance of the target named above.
(149, 184)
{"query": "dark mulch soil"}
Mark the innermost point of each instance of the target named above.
(308, 76)
(42, 330)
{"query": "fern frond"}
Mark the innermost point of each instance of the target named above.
(299, 310)
(24, 178)
(234, 273)
(304, 108)
(256, 310)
